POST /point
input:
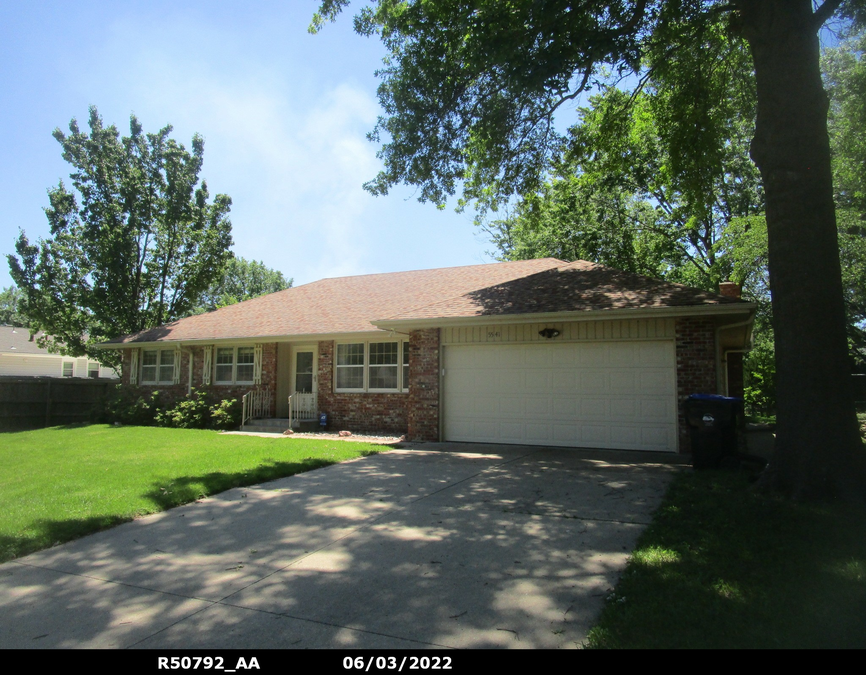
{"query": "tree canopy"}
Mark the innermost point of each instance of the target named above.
(470, 90)
(242, 280)
(9, 314)
(133, 244)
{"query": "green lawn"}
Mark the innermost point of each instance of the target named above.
(721, 566)
(62, 483)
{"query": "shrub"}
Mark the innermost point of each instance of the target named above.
(226, 414)
(131, 406)
(190, 412)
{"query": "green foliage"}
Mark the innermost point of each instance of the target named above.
(199, 410)
(226, 415)
(242, 280)
(190, 412)
(723, 566)
(129, 405)
(622, 196)
(62, 483)
(132, 245)
(845, 81)
(9, 312)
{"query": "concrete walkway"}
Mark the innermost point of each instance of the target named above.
(437, 545)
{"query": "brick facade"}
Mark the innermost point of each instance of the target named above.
(696, 366)
(169, 393)
(424, 385)
(416, 413)
(355, 411)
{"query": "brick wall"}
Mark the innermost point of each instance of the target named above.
(696, 366)
(359, 412)
(170, 393)
(424, 385)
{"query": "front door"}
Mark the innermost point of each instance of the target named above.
(304, 371)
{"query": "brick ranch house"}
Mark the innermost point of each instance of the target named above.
(540, 352)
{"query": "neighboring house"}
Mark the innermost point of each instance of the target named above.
(540, 352)
(21, 355)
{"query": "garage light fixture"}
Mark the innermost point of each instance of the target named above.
(548, 333)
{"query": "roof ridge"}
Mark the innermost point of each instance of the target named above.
(432, 269)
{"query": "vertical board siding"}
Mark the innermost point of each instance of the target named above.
(573, 331)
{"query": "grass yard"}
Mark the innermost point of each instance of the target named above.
(723, 567)
(65, 482)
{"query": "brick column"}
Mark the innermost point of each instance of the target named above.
(423, 412)
(696, 366)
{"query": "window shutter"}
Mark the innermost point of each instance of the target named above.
(176, 378)
(207, 366)
(133, 366)
(257, 365)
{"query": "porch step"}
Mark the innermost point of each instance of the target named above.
(274, 425)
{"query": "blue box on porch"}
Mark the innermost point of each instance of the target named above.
(323, 419)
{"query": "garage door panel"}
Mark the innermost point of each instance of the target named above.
(615, 395)
(512, 407)
(593, 408)
(538, 381)
(623, 409)
(593, 354)
(511, 380)
(622, 354)
(623, 380)
(594, 381)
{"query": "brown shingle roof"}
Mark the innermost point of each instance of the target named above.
(351, 304)
(568, 287)
(340, 305)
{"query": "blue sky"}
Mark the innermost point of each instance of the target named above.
(283, 113)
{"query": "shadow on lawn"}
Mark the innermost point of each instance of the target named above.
(182, 490)
(725, 567)
(185, 489)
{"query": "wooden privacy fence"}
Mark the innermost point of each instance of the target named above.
(35, 402)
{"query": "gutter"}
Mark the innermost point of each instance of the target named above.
(585, 315)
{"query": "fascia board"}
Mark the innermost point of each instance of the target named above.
(745, 308)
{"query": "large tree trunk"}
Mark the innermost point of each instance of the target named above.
(819, 454)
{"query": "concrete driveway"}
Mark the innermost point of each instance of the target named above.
(434, 545)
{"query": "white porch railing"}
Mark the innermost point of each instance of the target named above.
(256, 403)
(303, 408)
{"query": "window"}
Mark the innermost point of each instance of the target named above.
(235, 365)
(350, 367)
(92, 369)
(372, 367)
(68, 367)
(157, 366)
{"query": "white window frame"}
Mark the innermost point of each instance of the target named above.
(402, 370)
(234, 378)
(91, 369)
(64, 366)
(159, 366)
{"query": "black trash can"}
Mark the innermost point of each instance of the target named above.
(714, 425)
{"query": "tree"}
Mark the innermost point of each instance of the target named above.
(9, 314)
(133, 245)
(242, 280)
(845, 79)
(620, 197)
(469, 91)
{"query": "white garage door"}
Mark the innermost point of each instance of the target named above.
(598, 394)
